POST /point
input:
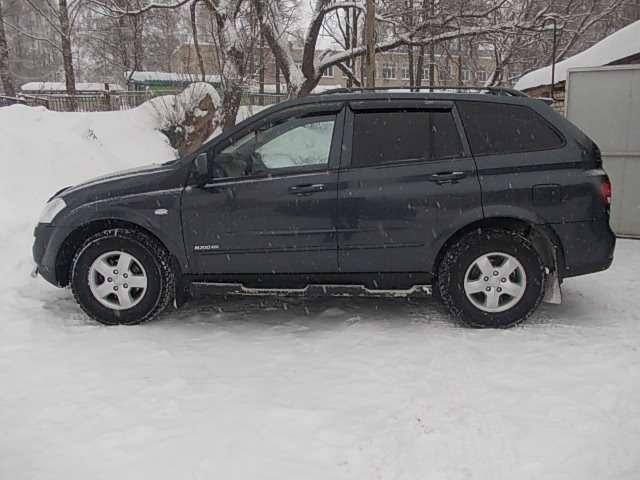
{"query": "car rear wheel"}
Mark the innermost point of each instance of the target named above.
(122, 276)
(491, 278)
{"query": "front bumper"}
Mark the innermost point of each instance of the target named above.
(48, 240)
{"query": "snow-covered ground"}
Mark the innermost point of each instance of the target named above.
(289, 388)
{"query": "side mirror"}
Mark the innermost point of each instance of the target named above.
(201, 164)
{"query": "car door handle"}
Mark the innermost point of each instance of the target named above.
(307, 189)
(446, 177)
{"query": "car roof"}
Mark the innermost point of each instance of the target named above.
(491, 94)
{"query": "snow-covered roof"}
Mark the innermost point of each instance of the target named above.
(324, 88)
(169, 77)
(618, 45)
(61, 87)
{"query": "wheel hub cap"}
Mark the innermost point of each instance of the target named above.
(495, 282)
(117, 280)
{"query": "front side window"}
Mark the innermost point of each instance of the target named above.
(300, 144)
(495, 128)
(395, 136)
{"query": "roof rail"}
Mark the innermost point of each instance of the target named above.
(512, 92)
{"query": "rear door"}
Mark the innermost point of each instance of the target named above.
(406, 179)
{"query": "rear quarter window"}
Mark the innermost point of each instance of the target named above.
(496, 128)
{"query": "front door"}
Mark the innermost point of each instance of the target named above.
(270, 203)
(406, 179)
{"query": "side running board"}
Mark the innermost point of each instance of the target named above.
(210, 288)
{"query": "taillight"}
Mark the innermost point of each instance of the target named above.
(605, 190)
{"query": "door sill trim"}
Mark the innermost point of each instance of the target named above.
(314, 290)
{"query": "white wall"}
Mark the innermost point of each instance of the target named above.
(605, 103)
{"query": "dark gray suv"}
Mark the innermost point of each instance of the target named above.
(491, 199)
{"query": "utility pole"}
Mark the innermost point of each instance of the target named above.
(347, 42)
(371, 43)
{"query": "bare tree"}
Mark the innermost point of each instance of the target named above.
(461, 20)
(196, 43)
(65, 42)
(5, 71)
(60, 17)
(529, 49)
(232, 34)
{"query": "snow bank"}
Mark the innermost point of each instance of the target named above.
(172, 109)
(43, 151)
(621, 44)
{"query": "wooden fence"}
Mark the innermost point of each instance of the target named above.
(117, 100)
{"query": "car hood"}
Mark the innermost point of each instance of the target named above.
(143, 179)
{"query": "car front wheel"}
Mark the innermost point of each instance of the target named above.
(122, 276)
(491, 278)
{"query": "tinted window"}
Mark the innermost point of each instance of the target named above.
(394, 136)
(297, 143)
(494, 128)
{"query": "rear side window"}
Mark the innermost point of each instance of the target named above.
(494, 128)
(395, 136)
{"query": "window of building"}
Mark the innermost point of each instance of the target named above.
(404, 70)
(465, 75)
(327, 72)
(396, 136)
(444, 72)
(481, 75)
(389, 71)
(494, 128)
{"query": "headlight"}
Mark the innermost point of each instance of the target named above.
(53, 208)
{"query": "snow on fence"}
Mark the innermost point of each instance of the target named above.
(118, 100)
(90, 102)
(6, 101)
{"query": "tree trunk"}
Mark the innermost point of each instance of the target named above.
(196, 44)
(67, 55)
(432, 46)
(262, 69)
(5, 70)
(231, 105)
(138, 46)
(420, 66)
(412, 82)
(432, 64)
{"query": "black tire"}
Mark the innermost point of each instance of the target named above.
(460, 256)
(153, 257)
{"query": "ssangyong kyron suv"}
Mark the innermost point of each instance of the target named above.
(492, 199)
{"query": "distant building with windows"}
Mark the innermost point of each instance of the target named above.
(392, 68)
